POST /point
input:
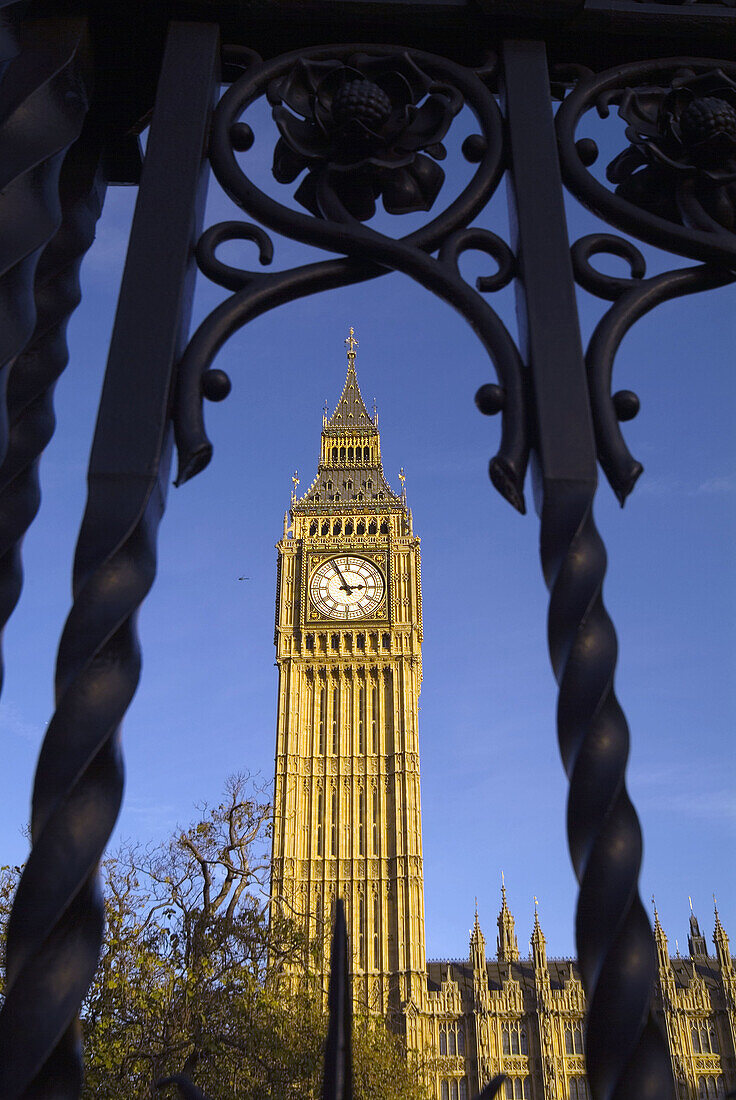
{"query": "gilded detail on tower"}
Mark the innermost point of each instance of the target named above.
(348, 642)
(347, 819)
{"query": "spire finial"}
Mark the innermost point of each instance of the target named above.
(351, 344)
(295, 479)
(402, 479)
(691, 902)
(677, 948)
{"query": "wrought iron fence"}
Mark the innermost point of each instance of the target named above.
(363, 122)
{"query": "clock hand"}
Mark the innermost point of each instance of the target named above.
(345, 586)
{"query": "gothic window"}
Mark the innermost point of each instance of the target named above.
(453, 1090)
(316, 498)
(360, 496)
(361, 720)
(443, 1045)
(325, 527)
(451, 1039)
(337, 527)
(374, 718)
(375, 821)
(579, 1089)
(463, 1088)
(361, 641)
(335, 710)
(369, 484)
(376, 926)
(361, 823)
(349, 527)
(518, 1088)
(320, 812)
(329, 486)
(573, 1038)
(445, 1090)
(350, 454)
(713, 1040)
(372, 527)
(335, 641)
(342, 454)
(461, 1038)
(337, 496)
(360, 529)
(310, 642)
(386, 641)
(710, 1088)
(695, 1035)
(513, 1038)
(384, 528)
(333, 824)
(361, 932)
(318, 931)
(334, 454)
(313, 527)
(322, 718)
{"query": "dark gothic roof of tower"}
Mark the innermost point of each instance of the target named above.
(351, 411)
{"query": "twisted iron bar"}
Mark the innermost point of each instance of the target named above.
(43, 105)
(626, 1055)
(77, 795)
(368, 254)
(35, 371)
(633, 298)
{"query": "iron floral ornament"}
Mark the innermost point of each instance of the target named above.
(365, 128)
(681, 162)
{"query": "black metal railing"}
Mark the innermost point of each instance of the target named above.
(65, 128)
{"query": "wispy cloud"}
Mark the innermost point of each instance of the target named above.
(720, 484)
(12, 722)
(682, 790)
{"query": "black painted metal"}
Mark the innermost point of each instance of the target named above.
(626, 1053)
(55, 928)
(44, 98)
(560, 405)
(35, 371)
(368, 253)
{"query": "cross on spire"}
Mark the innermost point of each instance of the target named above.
(351, 343)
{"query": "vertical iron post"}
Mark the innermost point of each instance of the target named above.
(626, 1053)
(55, 929)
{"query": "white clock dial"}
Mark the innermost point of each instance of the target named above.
(345, 587)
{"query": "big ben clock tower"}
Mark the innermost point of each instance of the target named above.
(348, 644)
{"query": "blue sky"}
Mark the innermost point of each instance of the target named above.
(493, 788)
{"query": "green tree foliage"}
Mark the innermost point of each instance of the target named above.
(191, 975)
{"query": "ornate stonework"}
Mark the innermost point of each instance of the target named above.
(347, 815)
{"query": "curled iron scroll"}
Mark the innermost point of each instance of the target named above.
(337, 207)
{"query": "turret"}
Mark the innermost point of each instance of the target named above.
(508, 948)
(477, 946)
(720, 940)
(538, 943)
(696, 941)
(663, 955)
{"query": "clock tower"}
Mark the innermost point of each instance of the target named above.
(347, 819)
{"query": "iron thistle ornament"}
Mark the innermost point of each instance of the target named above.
(366, 128)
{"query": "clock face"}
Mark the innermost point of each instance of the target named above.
(346, 587)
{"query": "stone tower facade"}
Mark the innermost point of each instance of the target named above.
(347, 819)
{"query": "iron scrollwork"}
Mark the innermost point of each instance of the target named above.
(675, 188)
(361, 125)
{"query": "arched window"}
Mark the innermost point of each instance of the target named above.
(375, 821)
(445, 1089)
(713, 1040)
(361, 720)
(334, 454)
(335, 713)
(695, 1035)
(522, 1041)
(350, 454)
(361, 527)
(349, 527)
(453, 1089)
(376, 932)
(366, 453)
(374, 719)
(320, 814)
(505, 1040)
(313, 527)
(342, 454)
(372, 527)
(369, 484)
(384, 528)
(451, 1039)
(361, 932)
(322, 718)
(329, 486)
(361, 823)
(461, 1038)
(325, 527)
(333, 823)
(574, 1089)
(463, 1088)
(443, 1049)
